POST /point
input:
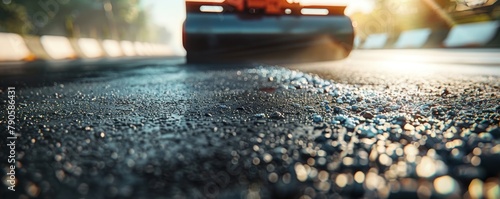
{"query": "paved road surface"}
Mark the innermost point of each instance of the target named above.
(381, 124)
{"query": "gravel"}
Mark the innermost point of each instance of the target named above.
(264, 132)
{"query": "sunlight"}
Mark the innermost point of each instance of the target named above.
(363, 6)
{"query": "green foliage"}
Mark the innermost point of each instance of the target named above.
(102, 19)
(14, 19)
(394, 16)
(126, 10)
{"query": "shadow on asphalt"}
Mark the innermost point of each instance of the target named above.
(42, 73)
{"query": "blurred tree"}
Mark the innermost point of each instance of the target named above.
(46, 16)
(394, 16)
(14, 19)
(130, 19)
(128, 11)
(103, 19)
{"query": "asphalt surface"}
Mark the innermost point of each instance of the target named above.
(381, 124)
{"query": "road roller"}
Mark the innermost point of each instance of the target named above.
(217, 31)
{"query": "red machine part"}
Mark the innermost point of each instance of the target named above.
(266, 31)
(270, 7)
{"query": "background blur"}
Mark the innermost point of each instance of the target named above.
(134, 20)
(158, 21)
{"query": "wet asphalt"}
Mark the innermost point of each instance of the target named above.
(360, 128)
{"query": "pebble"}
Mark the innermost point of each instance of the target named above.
(260, 115)
(367, 115)
(277, 115)
(317, 118)
(495, 132)
(406, 143)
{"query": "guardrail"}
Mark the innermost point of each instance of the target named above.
(15, 47)
(482, 34)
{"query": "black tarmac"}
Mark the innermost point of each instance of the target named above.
(353, 129)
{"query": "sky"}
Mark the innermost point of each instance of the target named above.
(171, 14)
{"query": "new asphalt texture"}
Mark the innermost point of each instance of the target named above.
(374, 127)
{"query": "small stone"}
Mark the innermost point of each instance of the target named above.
(495, 133)
(479, 128)
(337, 110)
(349, 123)
(260, 115)
(317, 118)
(222, 106)
(485, 136)
(277, 115)
(320, 139)
(327, 108)
(408, 127)
(340, 118)
(367, 131)
(445, 92)
(310, 109)
(367, 115)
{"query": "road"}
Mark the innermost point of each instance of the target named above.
(381, 124)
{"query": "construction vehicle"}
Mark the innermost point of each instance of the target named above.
(265, 30)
